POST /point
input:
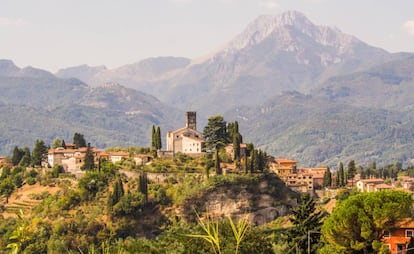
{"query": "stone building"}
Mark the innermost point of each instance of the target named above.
(187, 139)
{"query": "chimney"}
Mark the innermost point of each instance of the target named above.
(191, 120)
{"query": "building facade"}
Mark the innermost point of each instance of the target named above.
(186, 140)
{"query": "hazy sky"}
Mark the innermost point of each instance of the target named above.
(53, 34)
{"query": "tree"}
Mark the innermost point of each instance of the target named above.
(153, 138)
(79, 140)
(357, 223)
(215, 133)
(327, 178)
(158, 138)
(6, 188)
(307, 222)
(341, 174)
(89, 161)
(26, 159)
(17, 156)
(143, 185)
(351, 171)
(217, 163)
(246, 164)
(236, 146)
(118, 191)
(254, 161)
(39, 150)
(57, 142)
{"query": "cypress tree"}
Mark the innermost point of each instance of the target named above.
(153, 138)
(89, 160)
(341, 174)
(351, 171)
(158, 139)
(246, 164)
(217, 164)
(143, 185)
(236, 146)
(327, 178)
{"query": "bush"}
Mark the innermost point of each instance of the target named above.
(31, 181)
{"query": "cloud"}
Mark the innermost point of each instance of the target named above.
(12, 22)
(409, 27)
(270, 4)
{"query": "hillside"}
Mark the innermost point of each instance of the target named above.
(317, 131)
(299, 90)
(132, 205)
(48, 107)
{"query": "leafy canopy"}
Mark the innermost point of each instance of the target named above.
(357, 223)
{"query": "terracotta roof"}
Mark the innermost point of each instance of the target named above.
(282, 160)
(119, 153)
(372, 180)
(383, 186)
(398, 239)
(406, 223)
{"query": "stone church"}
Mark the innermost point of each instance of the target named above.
(187, 139)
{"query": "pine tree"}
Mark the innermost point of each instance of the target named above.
(63, 144)
(79, 140)
(26, 159)
(307, 222)
(57, 142)
(39, 150)
(17, 156)
(215, 133)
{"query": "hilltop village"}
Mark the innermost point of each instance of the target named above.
(138, 199)
(189, 141)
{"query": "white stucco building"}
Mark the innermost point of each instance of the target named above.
(187, 139)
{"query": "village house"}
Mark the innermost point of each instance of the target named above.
(283, 167)
(298, 179)
(301, 182)
(70, 159)
(368, 185)
(186, 140)
(399, 238)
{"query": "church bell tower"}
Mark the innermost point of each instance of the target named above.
(191, 120)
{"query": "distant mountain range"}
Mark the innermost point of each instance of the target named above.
(299, 90)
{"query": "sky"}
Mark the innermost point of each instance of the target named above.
(54, 34)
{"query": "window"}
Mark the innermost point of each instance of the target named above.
(409, 233)
(386, 233)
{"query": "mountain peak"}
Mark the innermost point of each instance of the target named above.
(264, 25)
(7, 67)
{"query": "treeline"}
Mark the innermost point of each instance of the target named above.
(343, 175)
(218, 134)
